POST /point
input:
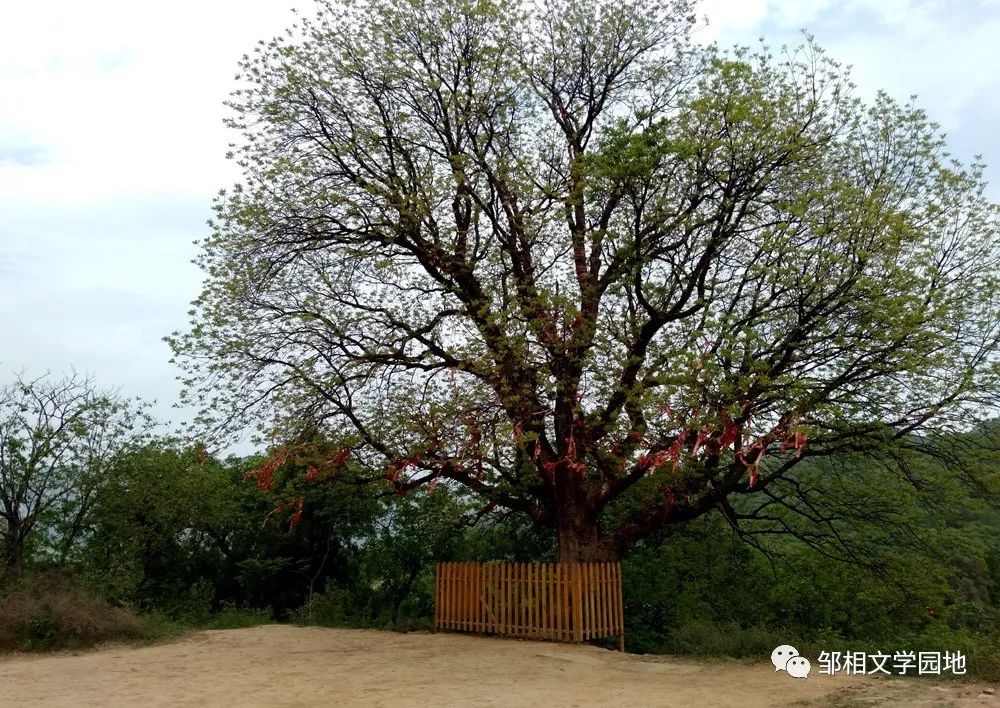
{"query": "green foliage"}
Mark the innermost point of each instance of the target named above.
(229, 617)
(701, 590)
(399, 560)
(179, 531)
(152, 526)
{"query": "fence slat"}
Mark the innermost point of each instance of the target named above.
(481, 596)
(540, 599)
(516, 595)
(588, 619)
(497, 618)
(459, 596)
(564, 612)
(470, 596)
(605, 619)
(456, 589)
(609, 594)
(612, 604)
(484, 598)
(619, 609)
(595, 624)
(501, 600)
(546, 589)
(522, 590)
(526, 596)
(529, 606)
(556, 602)
(567, 605)
(467, 596)
(491, 617)
(534, 600)
(507, 572)
(607, 599)
(532, 624)
(476, 592)
(454, 596)
(445, 597)
(595, 599)
(449, 597)
(470, 586)
(515, 600)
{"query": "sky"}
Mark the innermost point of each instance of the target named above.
(112, 148)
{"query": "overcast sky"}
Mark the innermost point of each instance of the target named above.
(112, 147)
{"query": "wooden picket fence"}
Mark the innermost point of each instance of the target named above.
(570, 602)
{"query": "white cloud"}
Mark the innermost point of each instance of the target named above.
(111, 147)
(731, 15)
(940, 50)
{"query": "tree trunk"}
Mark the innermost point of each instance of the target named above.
(581, 539)
(401, 595)
(13, 551)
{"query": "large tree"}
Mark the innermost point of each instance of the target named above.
(564, 257)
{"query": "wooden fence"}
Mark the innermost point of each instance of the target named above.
(570, 602)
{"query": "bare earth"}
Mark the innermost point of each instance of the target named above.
(278, 665)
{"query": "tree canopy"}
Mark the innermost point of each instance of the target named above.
(595, 273)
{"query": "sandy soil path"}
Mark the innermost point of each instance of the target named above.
(287, 666)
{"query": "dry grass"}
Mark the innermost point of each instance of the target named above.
(50, 611)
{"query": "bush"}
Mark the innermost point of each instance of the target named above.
(335, 607)
(729, 639)
(230, 617)
(50, 611)
(339, 607)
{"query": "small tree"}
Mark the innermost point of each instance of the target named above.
(414, 532)
(563, 257)
(57, 440)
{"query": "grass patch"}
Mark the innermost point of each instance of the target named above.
(235, 618)
(337, 608)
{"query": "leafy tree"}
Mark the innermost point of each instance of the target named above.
(416, 531)
(592, 272)
(162, 523)
(179, 530)
(57, 441)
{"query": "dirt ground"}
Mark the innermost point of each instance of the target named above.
(277, 665)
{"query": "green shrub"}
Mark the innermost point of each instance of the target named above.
(728, 639)
(335, 607)
(230, 617)
(339, 607)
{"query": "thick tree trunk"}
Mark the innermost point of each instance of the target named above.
(581, 540)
